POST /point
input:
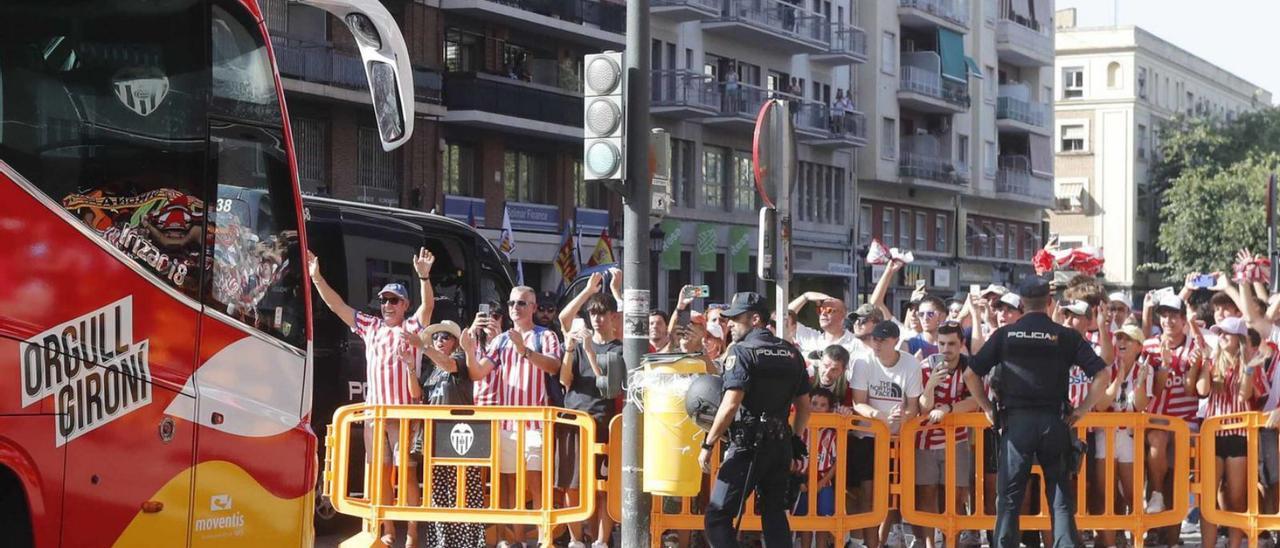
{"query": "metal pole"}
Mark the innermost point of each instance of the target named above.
(636, 504)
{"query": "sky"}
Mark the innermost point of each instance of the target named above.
(1233, 34)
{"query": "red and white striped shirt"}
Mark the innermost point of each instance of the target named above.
(518, 381)
(826, 451)
(1124, 402)
(385, 346)
(1175, 400)
(1224, 399)
(948, 392)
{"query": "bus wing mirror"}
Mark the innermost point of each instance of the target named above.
(386, 64)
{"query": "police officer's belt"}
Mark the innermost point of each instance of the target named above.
(749, 430)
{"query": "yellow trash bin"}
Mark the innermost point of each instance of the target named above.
(671, 439)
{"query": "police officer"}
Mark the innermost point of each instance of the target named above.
(763, 377)
(1031, 358)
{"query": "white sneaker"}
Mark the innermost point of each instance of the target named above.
(1155, 504)
(577, 544)
(1190, 528)
(917, 543)
(938, 538)
(599, 544)
(969, 538)
(896, 538)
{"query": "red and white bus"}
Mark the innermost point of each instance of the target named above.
(155, 340)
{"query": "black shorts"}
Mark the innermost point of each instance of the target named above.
(861, 464)
(1226, 447)
(568, 472)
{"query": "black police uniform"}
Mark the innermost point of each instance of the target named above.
(1034, 355)
(772, 373)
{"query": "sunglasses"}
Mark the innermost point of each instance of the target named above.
(927, 313)
(517, 304)
(826, 310)
(390, 300)
(545, 308)
(441, 337)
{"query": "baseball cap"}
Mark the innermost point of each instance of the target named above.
(1119, 297)
(546, 298)
(1011, 299)
(886, 330)
(1170, 302)
(1079, 308)
(395, 288)
(446, 326)
(1131, 331)
(1230, 326)
(746, 301)
(995, 288)
(1033, 287)
(867, 310)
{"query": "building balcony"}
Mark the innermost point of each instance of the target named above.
(512, 106)
(847, 45)
(684, 94)
(772, 24)
(1023, 42)
(821, 126)
(587, 22)
(1014, 115)
(926, 14)
(927, 91)
(320, 63)
(932, 171)
(1016, 181)
(682, 11)
(739, 105)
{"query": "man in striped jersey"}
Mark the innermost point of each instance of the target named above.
(391, 351)
(518, 363)
(944, 393)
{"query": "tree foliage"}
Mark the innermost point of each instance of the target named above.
(1212, 176)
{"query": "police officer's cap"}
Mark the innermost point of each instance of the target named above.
(746, 301)
(886, 330)
(1033, 287)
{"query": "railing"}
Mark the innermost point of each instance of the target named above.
(1015, 177)
(738, 99)
(956, 11)
(845, 39)
(932, 84)
(610, 17)
(499, 95)
(831, 122)
(777, 16)
(1250, 519)
(685, 88)
(934, 168)
(1009, 108)
(712, 5)
(322, 64)
(1023, 33)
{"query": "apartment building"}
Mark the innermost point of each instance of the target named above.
(1115, 87)
(959, 164)
(715, 62)
(498, 115)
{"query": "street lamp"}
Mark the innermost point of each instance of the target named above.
(656, 239)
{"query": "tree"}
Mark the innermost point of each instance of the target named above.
(1208, 216)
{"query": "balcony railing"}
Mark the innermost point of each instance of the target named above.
(777, 16)
(711, 5)
(956, 11)
(830, 122)
(607, 16)
(847, 40)
(1015, 177)
(322, 64)
(934, 168)
(932, 84)
(1009, 108)
(499, 95)
(686, 88)
(1017, 31)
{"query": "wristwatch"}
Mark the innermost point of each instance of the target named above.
(708, 444)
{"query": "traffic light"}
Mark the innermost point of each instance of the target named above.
(604, 117)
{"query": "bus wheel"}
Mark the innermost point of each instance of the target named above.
(15, 519)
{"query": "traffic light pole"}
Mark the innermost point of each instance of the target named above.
(636, 504)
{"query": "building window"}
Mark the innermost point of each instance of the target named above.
(377, 172)
(311, 145)
(589, 194)
(962, 151)
(1029, 243)
(744, 183)
(1073, 82)
(276, 13)
(886, 227)
(940, 242)
(973, 238)
(904, 228)
(525, 177)
(864, 225)
(1142, 82)
(1069, 197)
(988, 243)
(1115, 75)
(1012, 241)
(1072, 138)
(888, 138)
(460, 170)
(463, 51)
(989, 160)
(713, 168)
(990, 82)
(1142, 141)
(922, 232)
(683, 162)
(888, 52)
(999, 240)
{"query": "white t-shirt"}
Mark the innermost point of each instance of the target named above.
(811, 340)
(887, 387)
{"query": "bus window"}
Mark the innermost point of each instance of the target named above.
(449, 278)
(243, 86)
(103, 109)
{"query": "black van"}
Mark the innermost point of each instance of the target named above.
(362, 247)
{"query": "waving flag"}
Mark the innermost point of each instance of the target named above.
(507, 238)
(566, 259)
(603, 252)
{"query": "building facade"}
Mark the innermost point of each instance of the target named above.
(959, 164)
(1115, 87)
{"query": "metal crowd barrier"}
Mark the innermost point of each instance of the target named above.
(457, 437)
(1250, 520)
(685, 514)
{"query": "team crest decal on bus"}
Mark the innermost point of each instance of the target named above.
(91, 366)
(141, 90)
